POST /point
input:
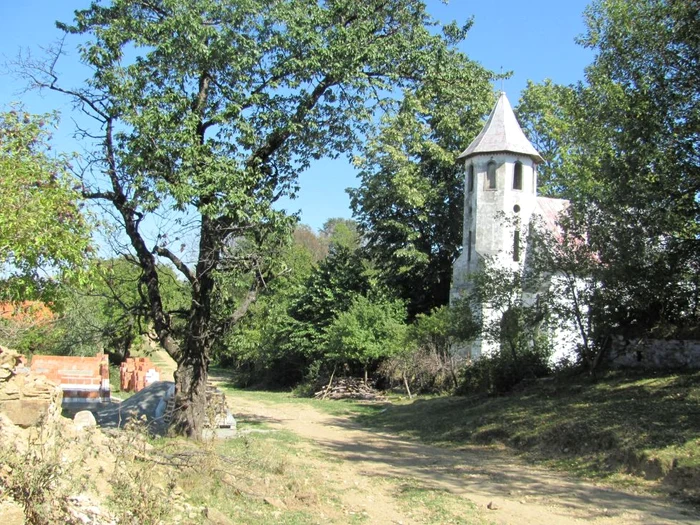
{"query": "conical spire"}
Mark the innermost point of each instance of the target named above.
(502, 133)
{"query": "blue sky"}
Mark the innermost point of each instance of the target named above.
(534, 39)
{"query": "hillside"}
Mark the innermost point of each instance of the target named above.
(627, 428)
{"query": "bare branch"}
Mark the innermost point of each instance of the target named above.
(181, 266)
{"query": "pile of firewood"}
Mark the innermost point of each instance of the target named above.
(349, 388)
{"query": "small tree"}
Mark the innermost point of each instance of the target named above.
(430, 358)
(369, 331)
(514, 317)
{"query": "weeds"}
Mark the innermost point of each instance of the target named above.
(40, 476)
(137, 496)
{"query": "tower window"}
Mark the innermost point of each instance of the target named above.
(491, 176)
(469, 247)
(518, 176)
(516, 245)
(470, 178)
(534, 179)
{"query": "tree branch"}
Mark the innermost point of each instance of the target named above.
(181, 266)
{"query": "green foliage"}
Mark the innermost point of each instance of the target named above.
(107, 314)
(624, 150)
(429, 360)
(517, 328)
(410, 201)
(341, 233)
(44, 237)
(331, 289)
(501, 371)
(371, 329)
(268, 345)
(209, 110)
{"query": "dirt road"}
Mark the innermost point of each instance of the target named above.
(366, 465)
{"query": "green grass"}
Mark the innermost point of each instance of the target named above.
(645, 425)
(343, 407)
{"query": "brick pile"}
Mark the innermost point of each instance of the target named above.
(136, 373)
(84, 380)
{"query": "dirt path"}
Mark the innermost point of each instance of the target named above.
(366, 466)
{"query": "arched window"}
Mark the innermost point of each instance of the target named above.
(518, 176)
(470, 178)
(491, 176)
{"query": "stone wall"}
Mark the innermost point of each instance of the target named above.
(27, 399)
(655, 353)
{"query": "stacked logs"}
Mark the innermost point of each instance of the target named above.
(349, 388)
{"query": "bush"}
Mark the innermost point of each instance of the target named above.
(498, 373)
(428, 362)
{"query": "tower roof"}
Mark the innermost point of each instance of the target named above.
(501, 133)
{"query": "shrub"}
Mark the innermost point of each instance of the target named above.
(428, 361)
(498, 373)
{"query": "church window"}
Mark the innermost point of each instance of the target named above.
(518, 176)
(469, 247)
(516, 245)
(491, 176)
(470, 178)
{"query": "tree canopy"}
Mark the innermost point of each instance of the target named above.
(209, 109)
(411, 197)
(624, 148)
(44, 236)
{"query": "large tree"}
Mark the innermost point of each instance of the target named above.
(44, 237)
(410, 201)
(210, 109)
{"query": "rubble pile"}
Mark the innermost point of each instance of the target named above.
(26, 398)
(349, 388)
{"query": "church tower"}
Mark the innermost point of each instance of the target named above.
(500, 197)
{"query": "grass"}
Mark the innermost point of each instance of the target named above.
(644, 425)
(638, 429)
(115, 384)
(342, 407)
(435, 506)
(252, 479)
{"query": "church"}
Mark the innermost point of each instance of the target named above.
(500, 202)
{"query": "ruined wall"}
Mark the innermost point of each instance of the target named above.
(84, 380)
(655, 353)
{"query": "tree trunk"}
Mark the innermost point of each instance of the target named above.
(190, 412)
(193, 366)
(405, 383)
